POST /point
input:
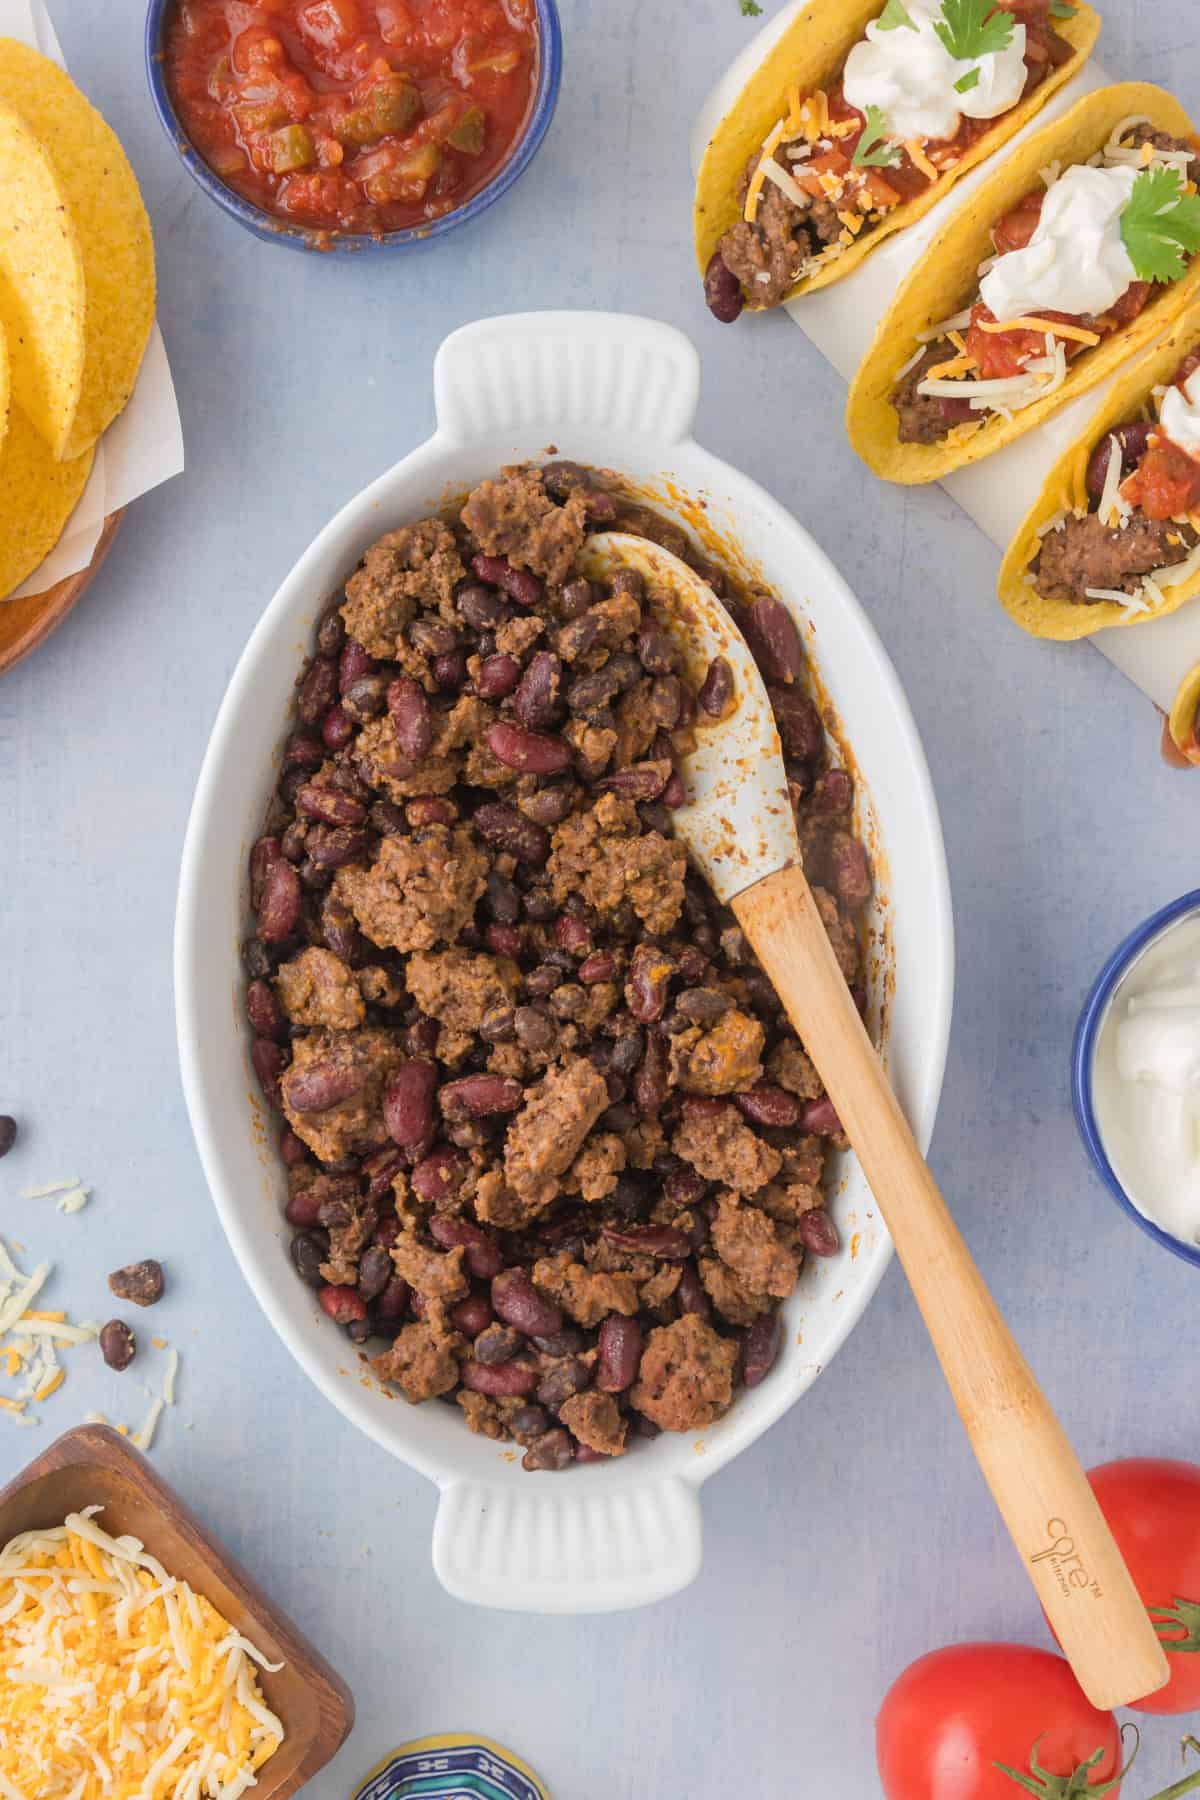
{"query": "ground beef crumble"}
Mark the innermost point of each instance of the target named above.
(523, 1057)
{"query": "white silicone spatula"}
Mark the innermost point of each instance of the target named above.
(740, 831)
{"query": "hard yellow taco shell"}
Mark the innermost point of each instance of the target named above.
(810, 55)
(37, 494)
(1182, 721)
(947, 278)
(115, 249)
(1065, 490)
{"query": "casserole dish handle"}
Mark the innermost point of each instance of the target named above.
(567, 1544)
(566, 373)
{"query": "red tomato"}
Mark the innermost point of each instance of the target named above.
(1166, 482)
(955, 1713)
(1153, 1509)
(1000, 353)
(1015, 229)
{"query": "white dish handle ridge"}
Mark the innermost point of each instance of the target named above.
(567, 1543)
(567, 372)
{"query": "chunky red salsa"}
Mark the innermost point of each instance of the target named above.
(354, 115)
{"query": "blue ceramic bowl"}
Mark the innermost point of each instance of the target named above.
(300, 237)
(1086, 1034)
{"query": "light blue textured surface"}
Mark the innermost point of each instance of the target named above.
(858, 1533)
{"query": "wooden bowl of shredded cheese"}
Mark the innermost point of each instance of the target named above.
(135, 1656)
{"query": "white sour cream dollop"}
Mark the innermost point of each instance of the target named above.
(1076, 260)
(1180, 416)
(1146, 1081)
(910, 77)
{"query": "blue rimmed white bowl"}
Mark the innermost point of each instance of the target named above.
(303, 237)
(1087, 1034)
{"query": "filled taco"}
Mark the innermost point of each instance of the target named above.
(1070, 259)
(858, 120)
(1114, 536)
(1183, 721)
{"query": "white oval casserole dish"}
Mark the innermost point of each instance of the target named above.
(619, 392)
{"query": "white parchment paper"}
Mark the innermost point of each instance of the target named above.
(997, 492)
(144, 444)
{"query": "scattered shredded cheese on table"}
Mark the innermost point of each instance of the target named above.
(119, 1682)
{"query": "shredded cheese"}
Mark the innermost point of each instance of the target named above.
(120, 1682)
(957, 365)
(794, 124)
(1078, 332)
(918, 156)
(783, 181)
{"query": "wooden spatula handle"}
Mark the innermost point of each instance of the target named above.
(1035, 1477)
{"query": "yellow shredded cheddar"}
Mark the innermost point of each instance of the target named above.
(52, 1386)
(794, 121)
(918, 156)
(958, 365)
(1078, 332)
(121, 1682)
(852, 221)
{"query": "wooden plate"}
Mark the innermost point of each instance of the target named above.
(94, 1466)
(24, 624)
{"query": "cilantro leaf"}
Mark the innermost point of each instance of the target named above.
(873, 151)
(966, 82)
(1062, 9)
(894, 15)
(1160, 225)
(971, 28)
(750, 8)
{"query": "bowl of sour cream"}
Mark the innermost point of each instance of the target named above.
(1135, 1076)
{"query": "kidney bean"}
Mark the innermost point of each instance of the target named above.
(365, 699)
(480, 607)
(450, 670)
(421, 1036)
(433, 637)
(650, 1081)
(342, 1304)
(472, 1316)
(337, 728)
(497, 1343)
(257, 959)
(429, 809)
(652, 1240)
(650, 971)
(304, 1204)
(765, 1104)
(519, 1303)
(478, 1096)
(314, 877)
(800, 729)
(692, 1294)
(533, 1030)
(264, 1011)
(500, 1379)
(497, 676)
(851, 873)
(408, 1104)
(353, 664)
(641, 781)
(551, 1452)
(818, 1233)
(331, 632)
(549, 805)
(675, 792)
(319, 1086)
(572, 934)
(496, 1026)
(543, 980)
(601, 965)
(562, 1381)
(303, 751)
(412, 718)
(279, 908)
(502, 899)
(760, 1347)
(774, 641)
(531, 752)
(481, 1252)
(1131, 443)
(519, 584)
(833, 792)
(374, 1272)
(505, 828)
(339, 929)
(620, 1354)
(292, 1149)
(309, 1250)
(683, 1186)
(330, 807)
(535, 701)
(386, 1234)
(439, 1176)
(503, 940)
(716, 691)
(539, 907)
(584, 1453)
(393, 1302)
(820, 1118)
(722, 290)
(657, 651)
(666, 701)
(318, 690)
(118, 1346)
(268, 1059)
